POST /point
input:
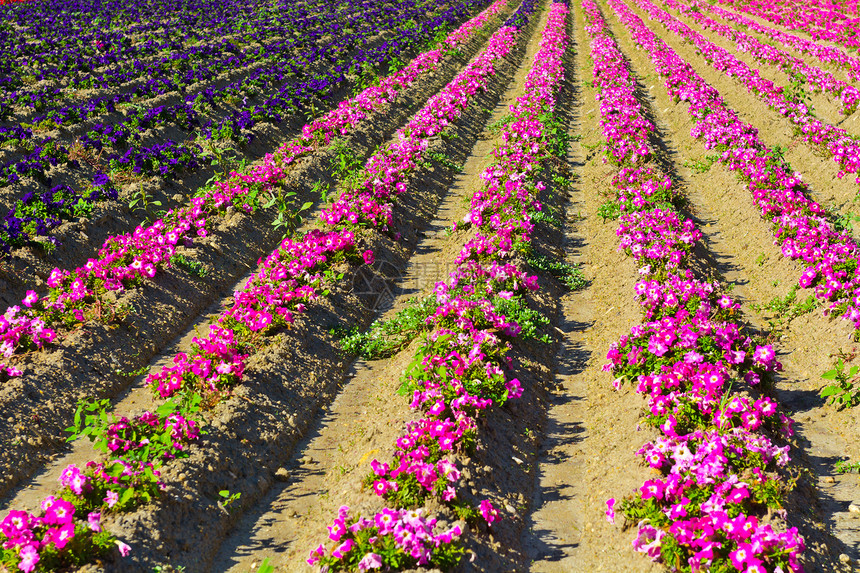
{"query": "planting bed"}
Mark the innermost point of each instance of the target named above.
(465, 286)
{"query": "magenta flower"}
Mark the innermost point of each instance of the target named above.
(610, 510)
(487, 510)
(94, 521)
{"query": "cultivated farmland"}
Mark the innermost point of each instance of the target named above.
(523, 285)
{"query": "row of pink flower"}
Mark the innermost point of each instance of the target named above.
(458, 373)
(715, 457)
(836, 142)
(821, 22)
(818, 79)
(126, 259)
(799, 226)
(290, 276)
(824, 53)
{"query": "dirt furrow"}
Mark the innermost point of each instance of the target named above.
(820, 173)
(36, 408)
(284, 387)
(739, 247)
(586, 454)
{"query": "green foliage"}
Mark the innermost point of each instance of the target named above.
(345, 162)
(530, 321)
(569, 274)
(545, 217)
(609, 211)
(846, 467)
(558, 139)
(385, 337)
(194, 268)
(842, 393)
(93, 422)
(443, 160)
(795, 91)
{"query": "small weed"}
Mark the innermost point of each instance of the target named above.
(786, 308)
(287, 218)
(609, 211)
(702, 165)
(194, 268)
(142, 200)
(844, 221)
(570, 275)
(845, 467)
(385, 337)
(228, 499)
(842, 393)
(266, 567)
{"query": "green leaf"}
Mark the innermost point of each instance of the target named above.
(166, 409)
(126, 496)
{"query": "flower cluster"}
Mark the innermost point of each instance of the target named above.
(720, 466)
(215, 362)
(405, 537)
(817, 18)
(836, 142)
(125, 435)
(369, 202)
(275, 46)
(53, 539)
(286, 279)
(22, 331)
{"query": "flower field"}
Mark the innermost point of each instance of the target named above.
(511, 285)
